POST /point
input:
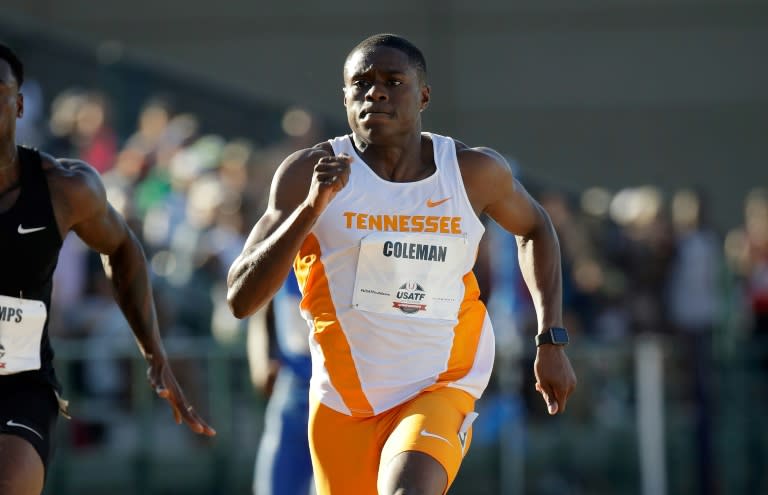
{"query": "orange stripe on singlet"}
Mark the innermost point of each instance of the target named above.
(466, 334)
(317, 300)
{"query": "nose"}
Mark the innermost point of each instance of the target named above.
(376, 93)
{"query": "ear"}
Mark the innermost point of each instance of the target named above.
(344, 92)
(19, 105)
(425, 95)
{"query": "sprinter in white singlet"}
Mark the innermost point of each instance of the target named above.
(382, 227)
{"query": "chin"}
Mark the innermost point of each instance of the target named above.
(375, 132)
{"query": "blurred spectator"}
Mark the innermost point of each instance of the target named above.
(694, 289)
(153, 121)
(600, 276)
(645, 222)
(62, 122)
(747, 251)
(694, 298)
(95, 139)
(127, 170)
(162, 196)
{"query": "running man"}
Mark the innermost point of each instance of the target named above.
(382, 228)
(41, 200)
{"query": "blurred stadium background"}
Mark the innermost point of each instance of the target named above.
(641, 125)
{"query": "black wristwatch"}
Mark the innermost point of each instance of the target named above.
(552, 335)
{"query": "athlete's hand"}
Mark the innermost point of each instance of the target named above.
(330, 175)
(164, 383)
(555, 379)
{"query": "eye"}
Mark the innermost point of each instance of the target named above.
(360, 83)
(395, 82)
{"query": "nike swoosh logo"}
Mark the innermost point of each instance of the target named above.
(19, 425)
(22, 230)
(432, 204)
(425, 433)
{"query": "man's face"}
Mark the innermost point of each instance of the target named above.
(383, 94)
(11, 101)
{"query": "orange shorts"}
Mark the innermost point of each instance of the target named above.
(349, 452)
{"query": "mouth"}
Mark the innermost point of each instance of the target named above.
(370, 113)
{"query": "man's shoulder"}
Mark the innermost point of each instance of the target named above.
(473, 153)
(70, 176)
(65, 167)
(309, 155)
(479, 156)
(481, 166)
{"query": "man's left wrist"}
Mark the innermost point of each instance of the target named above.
(557, 336)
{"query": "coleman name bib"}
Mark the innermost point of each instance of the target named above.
(410, 274)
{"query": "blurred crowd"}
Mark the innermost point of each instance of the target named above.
(638, 260)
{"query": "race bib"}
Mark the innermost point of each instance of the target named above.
(21, 330)
(410, 274)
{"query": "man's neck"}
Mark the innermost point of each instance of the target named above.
(396, 161)
(7, 152)
(8, 165)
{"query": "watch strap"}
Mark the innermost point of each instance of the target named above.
(548, 336)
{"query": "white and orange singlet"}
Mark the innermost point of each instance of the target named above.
(389, 295)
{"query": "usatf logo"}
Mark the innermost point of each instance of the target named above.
(2, 351)
(409, 297)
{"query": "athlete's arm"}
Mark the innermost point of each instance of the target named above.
(93, 219)
(493, 190)
(301, 189)
(510, 205)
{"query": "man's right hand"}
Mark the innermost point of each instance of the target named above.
(163, 381)
(330, 176)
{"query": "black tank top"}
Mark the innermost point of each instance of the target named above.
(29, 250)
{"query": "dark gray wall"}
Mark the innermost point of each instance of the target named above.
(595, 92)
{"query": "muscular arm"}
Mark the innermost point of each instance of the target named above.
(105, 231)
(93, 219)
(301, 189)
(493, 190)
(538, 248)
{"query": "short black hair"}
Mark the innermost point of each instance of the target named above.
(17, 68)
(415, 57)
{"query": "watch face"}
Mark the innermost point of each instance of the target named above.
(559, 335)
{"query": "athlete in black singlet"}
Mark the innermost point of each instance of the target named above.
(41, 200)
